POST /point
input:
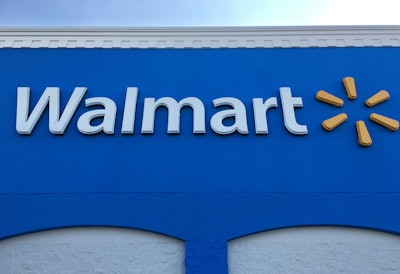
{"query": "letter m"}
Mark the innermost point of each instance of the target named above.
(51, 97)
(174, 108)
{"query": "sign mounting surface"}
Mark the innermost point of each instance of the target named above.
(276, 174)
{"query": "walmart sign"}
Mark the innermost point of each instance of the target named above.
(58, 123)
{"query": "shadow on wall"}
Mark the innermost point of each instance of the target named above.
(315, 250)
(92, 250)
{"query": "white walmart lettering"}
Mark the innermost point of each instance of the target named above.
(107, 113)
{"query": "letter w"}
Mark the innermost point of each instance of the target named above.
(51, 96)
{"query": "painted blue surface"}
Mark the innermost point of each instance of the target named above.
(206, 257)
(201, 187)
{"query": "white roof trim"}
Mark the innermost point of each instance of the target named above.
(203, 37)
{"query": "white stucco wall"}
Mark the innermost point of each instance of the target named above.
(116, 250)
(91, 250)
(315, 250)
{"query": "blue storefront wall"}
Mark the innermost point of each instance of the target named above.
(202, 188)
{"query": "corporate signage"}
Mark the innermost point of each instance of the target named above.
(57, 124)
(107, 111)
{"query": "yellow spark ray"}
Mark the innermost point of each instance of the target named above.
(333, 122)
(350, 87)
(377, 98)
(328, 98)
(387, 122)
(364, 139)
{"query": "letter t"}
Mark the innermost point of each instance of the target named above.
(289, 117)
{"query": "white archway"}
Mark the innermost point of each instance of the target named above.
(92, 250)
(315, 250)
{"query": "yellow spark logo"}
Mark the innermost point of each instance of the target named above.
(364, 138)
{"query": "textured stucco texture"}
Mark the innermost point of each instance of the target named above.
(116, 250)
(91, 250)
(315, 250)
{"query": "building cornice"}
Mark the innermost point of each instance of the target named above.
(202, 37)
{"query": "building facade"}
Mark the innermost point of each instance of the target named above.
(205, 135)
